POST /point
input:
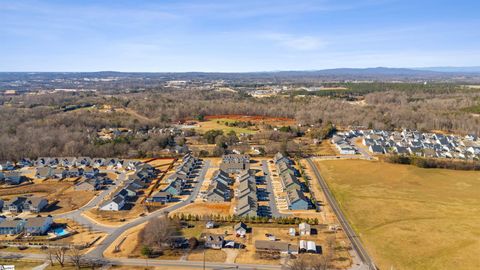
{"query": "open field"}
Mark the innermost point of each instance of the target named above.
(408, 217)
(221, 121)
(220, 124)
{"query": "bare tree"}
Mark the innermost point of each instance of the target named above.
(76, 257)
(158, 232)
(300, 263)
(59, 254)
(50, 253)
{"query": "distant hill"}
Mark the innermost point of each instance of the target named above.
(452, 69)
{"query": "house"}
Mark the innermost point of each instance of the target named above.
(213, 241)
(131, 191)
(25, 162)
(115, 204)
(210, 224)
(88, 185)
(247, 206)
(218, 192)
(12, 226)
(34, 204)
(15, 204)
(59, 173)
(175, 188)
(234, 163)
(123, 193)
(346, 149)
(83, 161)
(279, 157)
(240, 229)
(90, 172)
(304, 228)
(98, 162)
(296, 200)
(67, 162)
(160, 197)
(275, 246)
(38, 225)
(43, 172)
(138, 184)
(1, 204)
(223, 177)
(376, 149)
(7, 166)
(289, 182)
(12, 177)
(73, 172)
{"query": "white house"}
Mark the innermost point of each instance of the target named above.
(115, 204)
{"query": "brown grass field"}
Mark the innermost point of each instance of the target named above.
(408, 217)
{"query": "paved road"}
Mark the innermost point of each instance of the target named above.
(97, 252)
(81, 219)
(150, 262)
(356, 243)
(271, 195)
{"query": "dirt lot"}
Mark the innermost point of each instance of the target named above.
(409, 217)
(60, 195)
(205, 208)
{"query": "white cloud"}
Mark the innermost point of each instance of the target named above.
(300, 43)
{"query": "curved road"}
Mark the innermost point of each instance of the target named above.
(97, 252)
(356, 243)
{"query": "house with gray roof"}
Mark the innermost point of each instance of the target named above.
(38, 225)
(35, 204)
(296, 200)
(12, 226)
(218, 192)
(115, 204)
(13, 177)
(234, 163)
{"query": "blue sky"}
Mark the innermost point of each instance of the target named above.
(236, 35)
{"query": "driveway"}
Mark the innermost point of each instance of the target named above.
(271, 196)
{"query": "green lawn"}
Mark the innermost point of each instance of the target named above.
(408, 217)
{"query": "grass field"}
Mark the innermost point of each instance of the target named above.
(220, 124)
(408, 217)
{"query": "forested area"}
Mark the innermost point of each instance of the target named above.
(35, 125)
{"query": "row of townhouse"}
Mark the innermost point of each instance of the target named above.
(178, 180)
(343, 146)
(235, 163)
(29, 226)
(219, 189)
(296, 200)
(247, 200)
(83, 162)
(60, 173)
(24, 204)
(411, 142)
(135, 183)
